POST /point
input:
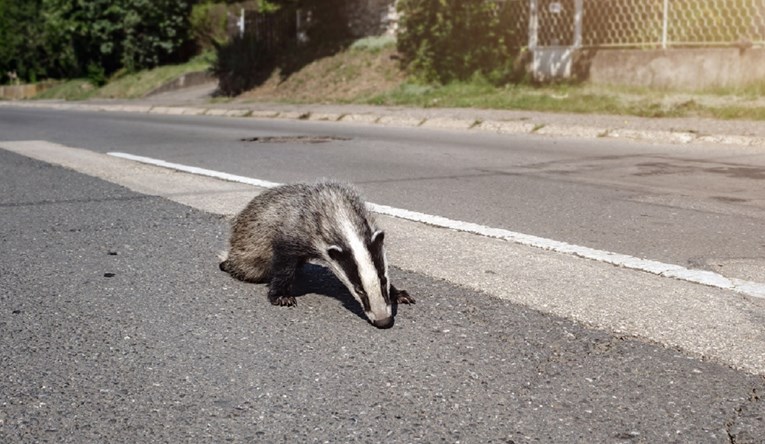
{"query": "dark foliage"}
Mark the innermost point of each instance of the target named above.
(445, 40)
(20, 43)
(68, 38)
(241, 64)
(271, 42)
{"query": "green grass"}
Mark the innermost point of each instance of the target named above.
(373, 44)
(135, 85)
(126, 85)
(483, 95)
(76, 89)
(586, 99)
(368, 63)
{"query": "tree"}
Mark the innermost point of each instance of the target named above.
(155, 31)
(20, 44)
(64, 38)
(445, 40)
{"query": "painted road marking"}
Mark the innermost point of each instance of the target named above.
(749, 288)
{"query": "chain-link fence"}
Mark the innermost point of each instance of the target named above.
(515, 14)
(638, 23)
(665, 23)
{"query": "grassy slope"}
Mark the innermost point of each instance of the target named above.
(75, 89)
(141, 83)
(730, 104)
(125, 86)
(369, 72)
(353, 75)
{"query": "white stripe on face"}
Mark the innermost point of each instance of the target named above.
(367, 271)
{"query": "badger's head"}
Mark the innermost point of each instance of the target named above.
(361, 265)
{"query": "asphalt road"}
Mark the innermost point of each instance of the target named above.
(701, 206)
(118, 327)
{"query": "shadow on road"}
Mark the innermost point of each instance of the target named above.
(319, 280)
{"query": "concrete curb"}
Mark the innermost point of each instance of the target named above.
(400, 119)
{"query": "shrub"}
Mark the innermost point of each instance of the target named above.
(374, 44)
(64, 38)
(154, 32)
(446, 40)
(96, 74)
(209, 22)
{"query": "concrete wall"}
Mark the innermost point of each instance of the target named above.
(689, 69)
(18, 92)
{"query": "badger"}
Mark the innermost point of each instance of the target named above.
(326, 223)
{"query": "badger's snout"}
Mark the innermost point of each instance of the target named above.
(382, 317)
(384, 323)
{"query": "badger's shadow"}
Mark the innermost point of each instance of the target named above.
(311, 278)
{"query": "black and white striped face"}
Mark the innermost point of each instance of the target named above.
(361, 265)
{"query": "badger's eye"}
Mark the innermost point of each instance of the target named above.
(360, 291)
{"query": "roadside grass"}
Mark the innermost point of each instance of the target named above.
(741, 103)
(368, 72)
(734, 112)
(75, 89)
(750, 91)
(480, 94)
(135, 85)
(124, 85)
(365, 68)
(374, 44)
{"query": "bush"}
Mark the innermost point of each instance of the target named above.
(20, 42)
(209, 22)
(446, 40)
(96, 75)
(69, 38)
(155, 32)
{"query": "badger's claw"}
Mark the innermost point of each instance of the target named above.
(283, 301)
(402, 297)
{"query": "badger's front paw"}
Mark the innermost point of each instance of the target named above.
(284, 301)
(401, 297)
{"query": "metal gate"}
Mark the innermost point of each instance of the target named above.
(555, 32)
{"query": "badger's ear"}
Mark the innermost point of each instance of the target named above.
(377, 237)
(335, 252)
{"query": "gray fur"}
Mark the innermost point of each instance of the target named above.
(284, 227)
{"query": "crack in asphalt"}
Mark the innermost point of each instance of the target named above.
(733, 435)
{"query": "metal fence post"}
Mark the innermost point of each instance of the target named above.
(533, 24)
(240, 23)
(578, 11)
(533, 37)
(665, 20)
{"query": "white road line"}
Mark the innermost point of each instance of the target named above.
(749, 288)
(198, 171)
